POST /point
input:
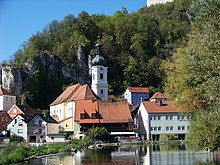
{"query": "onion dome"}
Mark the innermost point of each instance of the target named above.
(99, 60)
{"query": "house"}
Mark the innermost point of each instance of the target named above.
(135, 95)
(36, 128)
(7, 99)
(21, 109)
(114, 116)
(4, 120)
(155, 119)
(158, 96)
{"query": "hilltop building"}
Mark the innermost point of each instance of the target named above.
(153, 2)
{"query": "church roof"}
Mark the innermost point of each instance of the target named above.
(5, 92)
(76, 92)
(99, 60)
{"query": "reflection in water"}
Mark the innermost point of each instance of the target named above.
(133, 155)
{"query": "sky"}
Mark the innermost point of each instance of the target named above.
(20, 19)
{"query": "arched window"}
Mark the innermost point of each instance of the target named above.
(101, 76)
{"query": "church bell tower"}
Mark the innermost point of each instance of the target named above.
(99, 74)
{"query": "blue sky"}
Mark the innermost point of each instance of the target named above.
(19, 19)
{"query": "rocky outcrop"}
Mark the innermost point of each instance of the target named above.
(16, 79)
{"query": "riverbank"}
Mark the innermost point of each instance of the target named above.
(14, 152)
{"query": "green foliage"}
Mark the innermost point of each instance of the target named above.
(148, 36)
(16, 138)
(193, 75)
(205, 130)
(98, 133)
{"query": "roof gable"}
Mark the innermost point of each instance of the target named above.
(158, 95)
(138, 89)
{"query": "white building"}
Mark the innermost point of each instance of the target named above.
(99, 74)
(7, 99)
(160, 118)
(153, 2)
(36, 128)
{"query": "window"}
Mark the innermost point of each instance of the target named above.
(101, 76)
(179, 128)
(155, 128)
(6, 98)
(93, 76)
(20, 130)
(183, 127)
(40, 121)
(159, 117)
(167, 117)
(159, 128)
(151, 128)
(82, 116)
(66, 125)
(171, 117)
(171, 128)
(20, 124)
(52, 138)
(93, 116)
(102, 91)
(11, 99)
(167, 128)
(14, 110)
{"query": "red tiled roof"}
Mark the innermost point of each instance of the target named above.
(156, 107)
(86, 107)
(138, 89)
(115, 112)
(84, 92)
(108, 112)
(5, 92)
(76, 92)
(66, 94)
(158, 95)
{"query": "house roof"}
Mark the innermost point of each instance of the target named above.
(48, 119)
(5, 92)
(106, 111)
(157, 107)
(158, 95)
(3, 123)
(115, 112)
(87, 107)
(76, 92)
(27, 110)
(138, 89)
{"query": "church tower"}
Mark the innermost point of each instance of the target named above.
(99, 74)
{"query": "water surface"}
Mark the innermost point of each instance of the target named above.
(133, 155)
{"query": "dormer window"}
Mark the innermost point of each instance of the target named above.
(82, 116)
(93, 116)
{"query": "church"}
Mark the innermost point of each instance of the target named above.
(81, 107)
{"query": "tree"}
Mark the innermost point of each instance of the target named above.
(98, 133)
(193, 75)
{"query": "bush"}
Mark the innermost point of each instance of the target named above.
(98, 133)
(16, 138)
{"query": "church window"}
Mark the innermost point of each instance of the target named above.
(101, 76)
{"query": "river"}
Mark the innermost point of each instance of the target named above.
(133, 155)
